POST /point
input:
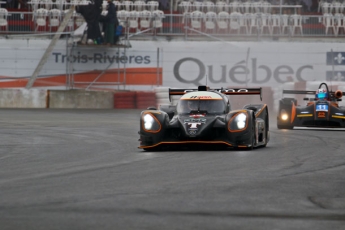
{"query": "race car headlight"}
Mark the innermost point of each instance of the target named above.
(241, 120)
(283, 115)
(151, 123)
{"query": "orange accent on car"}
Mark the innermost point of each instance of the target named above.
(321, 114)
(293, 112)
(185, 142)
(262, 109)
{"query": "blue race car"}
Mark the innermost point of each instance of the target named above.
(322, 110)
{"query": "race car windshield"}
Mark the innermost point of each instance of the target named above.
(209, 106)
(322, 95)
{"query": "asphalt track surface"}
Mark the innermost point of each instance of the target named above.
(81, 169)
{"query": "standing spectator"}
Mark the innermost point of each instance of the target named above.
(111, 22)
(92, 14)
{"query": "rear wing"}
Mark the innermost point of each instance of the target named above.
(286, 91)
(232, 91)
(309, 92)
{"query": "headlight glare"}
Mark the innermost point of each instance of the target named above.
(241, 120)
(284, 115)
(148, 121)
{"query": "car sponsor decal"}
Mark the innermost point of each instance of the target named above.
(197, 120)
(321, 114)
(197, 115)
(201, 95)
(193, 124)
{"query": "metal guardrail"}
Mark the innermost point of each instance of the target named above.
(184, 25)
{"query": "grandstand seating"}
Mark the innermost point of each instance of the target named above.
(215, 17)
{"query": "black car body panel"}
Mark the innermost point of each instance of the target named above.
(210, 123)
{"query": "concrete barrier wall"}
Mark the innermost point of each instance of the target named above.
(81, 99)
(23, 98)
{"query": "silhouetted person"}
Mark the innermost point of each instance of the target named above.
(91, 14)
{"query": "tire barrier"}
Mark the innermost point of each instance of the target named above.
(125, 100)
(145, 100)
(162, 96)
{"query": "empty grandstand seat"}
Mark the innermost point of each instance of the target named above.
(266, 7)
(256, 7)
(48, 4)
(40, 17)
(252, 22)
(197, 6)
(122, 16)
(234, 23)
(285, 25)
(139, 5)
(152, 5)
(70, 23)
(34, 5)
(221, 6)
(325, 7)
(196, 19)
(127, 5)
(210, 21)
(275, 24)
(133, 20)
(157, 19)
(336, 7)
(243, 23)
(79, 19)
(54, 18)
(223, 21)
(319, 8)
(328, 22)
(3, 19)
(247, 7)
(145, 19)
(209, 6)
(296, 23)
(60, 4)
(338, 22)
(265, 24)
(185, 6)
(234, 6)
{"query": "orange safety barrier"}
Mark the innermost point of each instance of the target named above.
(145, 99)
(125, 100)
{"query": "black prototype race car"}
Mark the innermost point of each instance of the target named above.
(203, 118)
(322, 110)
